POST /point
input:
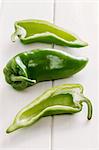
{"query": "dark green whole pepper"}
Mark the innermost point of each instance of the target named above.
(28, 68)
(64, 99)
(31, 31)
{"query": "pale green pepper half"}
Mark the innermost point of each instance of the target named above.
(31, 31)
(64, 99)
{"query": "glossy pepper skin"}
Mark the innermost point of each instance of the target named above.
(31, 31)
(64, 99)
(28, 68)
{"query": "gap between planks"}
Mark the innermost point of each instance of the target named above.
(52, 120)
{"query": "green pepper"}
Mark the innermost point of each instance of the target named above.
(64, 99)
(31, 67)
(31, 31)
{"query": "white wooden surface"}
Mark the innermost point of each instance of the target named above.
(63, 132)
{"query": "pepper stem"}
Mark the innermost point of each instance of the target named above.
(89, 105)
(13, 37)
(20, 78)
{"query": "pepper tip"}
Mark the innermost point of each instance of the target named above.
(11, 128)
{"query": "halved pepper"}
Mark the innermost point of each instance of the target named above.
(64, 99)
(31, 67)
(31, 31)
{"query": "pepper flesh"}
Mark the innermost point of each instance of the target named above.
(31, 31)
(29, 68)
(64, 99)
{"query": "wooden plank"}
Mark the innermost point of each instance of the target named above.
(74, 131)
(38, 136)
